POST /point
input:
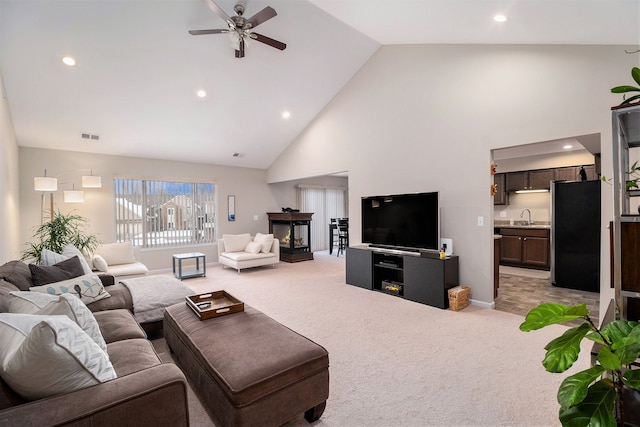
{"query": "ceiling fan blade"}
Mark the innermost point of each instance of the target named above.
(262, 16)
(201, 32)
(218, 10)
(240, 52)
(267, 40)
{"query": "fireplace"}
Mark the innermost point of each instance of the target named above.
(293, 230)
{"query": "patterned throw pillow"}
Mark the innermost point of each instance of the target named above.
(51, 305)
(44, 356)
(88, 288)
(67, 269)
(48, 257)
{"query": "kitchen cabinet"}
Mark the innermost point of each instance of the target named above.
(525, 247)
(539, 179)
(501, 197)
(572, 173)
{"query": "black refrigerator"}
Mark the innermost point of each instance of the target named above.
(575, 234)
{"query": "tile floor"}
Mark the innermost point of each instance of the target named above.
(523, 289)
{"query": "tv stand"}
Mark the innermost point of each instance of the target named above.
(424, 278)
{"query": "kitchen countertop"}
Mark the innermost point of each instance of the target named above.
(518, 224)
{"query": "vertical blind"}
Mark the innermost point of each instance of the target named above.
(325, 203)
(153, 213)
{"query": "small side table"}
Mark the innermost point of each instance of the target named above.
(198, 272)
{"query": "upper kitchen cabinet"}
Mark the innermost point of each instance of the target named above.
(501, 197)
(572, 173)
(539, 179)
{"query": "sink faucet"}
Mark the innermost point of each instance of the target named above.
(529, 212)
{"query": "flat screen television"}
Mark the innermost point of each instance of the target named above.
(403, 221)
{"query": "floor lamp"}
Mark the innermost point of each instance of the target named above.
(45, 184)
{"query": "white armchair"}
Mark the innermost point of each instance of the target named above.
(119, 260)
(240, 251)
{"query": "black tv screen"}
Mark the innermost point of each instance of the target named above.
(402, 221)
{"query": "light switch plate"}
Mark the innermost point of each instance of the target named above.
(255, 217)
(503, 214)
(480, 221)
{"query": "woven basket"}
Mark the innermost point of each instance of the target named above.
(459, 297)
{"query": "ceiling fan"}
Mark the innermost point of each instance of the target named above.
(240, 28)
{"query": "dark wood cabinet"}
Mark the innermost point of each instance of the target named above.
(539, 179)
(569, 173)
(421, 278)
(525, 247)
(501, 197)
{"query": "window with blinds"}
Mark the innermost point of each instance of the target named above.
(325, 203)
(156, 214)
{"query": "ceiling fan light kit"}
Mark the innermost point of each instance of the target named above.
(240, 28)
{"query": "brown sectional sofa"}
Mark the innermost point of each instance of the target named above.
(146, 391)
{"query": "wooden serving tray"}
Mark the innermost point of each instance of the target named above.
(222, 303)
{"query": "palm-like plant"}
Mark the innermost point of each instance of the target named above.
(63, 229)
(635, 74)
(594, 396)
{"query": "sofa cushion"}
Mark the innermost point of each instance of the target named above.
(241, 256)
(265, 240)
(132, 355)
(63, 270)
(100, 263)
(17, 273)
(44, 356)
(65, 305)
(5, 294)
(236, 242)
(132, 269)
(70, 251)
(88, 288)
(120, 297)
(117, 253)
(118, 325)
(48, 257)
(253, 248)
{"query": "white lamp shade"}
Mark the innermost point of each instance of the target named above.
(45, 183)
(73, 196)
(91, 181)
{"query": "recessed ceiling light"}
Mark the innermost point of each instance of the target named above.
(69, 61)
(286, 114)
(567, 147)
(500, 18)
(202, 93)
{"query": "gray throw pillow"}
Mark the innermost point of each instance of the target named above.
(64, 270)
(17, 273)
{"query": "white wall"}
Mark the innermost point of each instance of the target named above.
(9, 194)
(253, 196)
(426, 117)
(285, 193)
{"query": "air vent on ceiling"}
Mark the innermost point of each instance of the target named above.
(238, 154)
(90, 136)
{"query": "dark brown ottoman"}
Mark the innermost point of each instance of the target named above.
(249, 369)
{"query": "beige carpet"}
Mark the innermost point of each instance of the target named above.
(398, 363)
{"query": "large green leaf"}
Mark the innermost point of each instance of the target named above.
(608, 359)
(574, 388)
(635, 73)
(624, 89)
(550, 313)
(597, 409)
(632, 378)
(563, 351)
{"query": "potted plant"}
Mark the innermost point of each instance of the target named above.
(595, 396)
(54, 235)
(635, 74)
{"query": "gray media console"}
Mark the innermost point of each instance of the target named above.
(421, 278)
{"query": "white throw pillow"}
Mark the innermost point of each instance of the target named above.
(51, 305)
(88, 288)
(44, 356)
(48, 257)
(266, 240)
(117, 253)
(70, 251)
(100, 263)
(236, 242)
(253, 248)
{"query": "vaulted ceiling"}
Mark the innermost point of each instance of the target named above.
(138, 70)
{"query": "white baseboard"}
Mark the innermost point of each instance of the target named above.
(482, 304)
